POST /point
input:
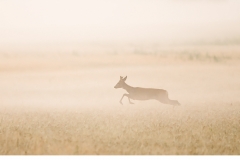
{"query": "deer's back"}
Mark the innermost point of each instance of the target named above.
(139, 93)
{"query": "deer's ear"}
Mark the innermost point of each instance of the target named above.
(125, 78)
(121, 77)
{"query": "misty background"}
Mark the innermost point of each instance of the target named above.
(60, 61)
(67, 24)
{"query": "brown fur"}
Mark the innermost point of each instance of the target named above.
(137, 93)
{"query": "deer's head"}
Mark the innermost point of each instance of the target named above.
(121, 82)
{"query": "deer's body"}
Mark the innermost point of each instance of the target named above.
(137, 93)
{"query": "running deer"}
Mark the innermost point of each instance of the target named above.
(137, 93)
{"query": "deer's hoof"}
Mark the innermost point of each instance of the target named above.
(121, 103)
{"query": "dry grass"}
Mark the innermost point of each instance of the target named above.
(122, 130)
(66, 104)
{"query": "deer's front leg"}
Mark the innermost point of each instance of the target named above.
(130, 101)
(122, 97)
(127, 95)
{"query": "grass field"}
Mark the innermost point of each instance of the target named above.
(67, 104)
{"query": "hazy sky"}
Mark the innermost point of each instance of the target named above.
(75, 21)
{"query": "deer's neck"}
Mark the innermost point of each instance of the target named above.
(127, 88)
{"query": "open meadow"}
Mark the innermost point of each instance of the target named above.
(65, 103)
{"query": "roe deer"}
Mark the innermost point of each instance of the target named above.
(137, 93)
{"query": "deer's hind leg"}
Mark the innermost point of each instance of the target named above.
(163, 98)
(127, 95)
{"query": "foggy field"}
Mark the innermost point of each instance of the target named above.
(67, 104)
